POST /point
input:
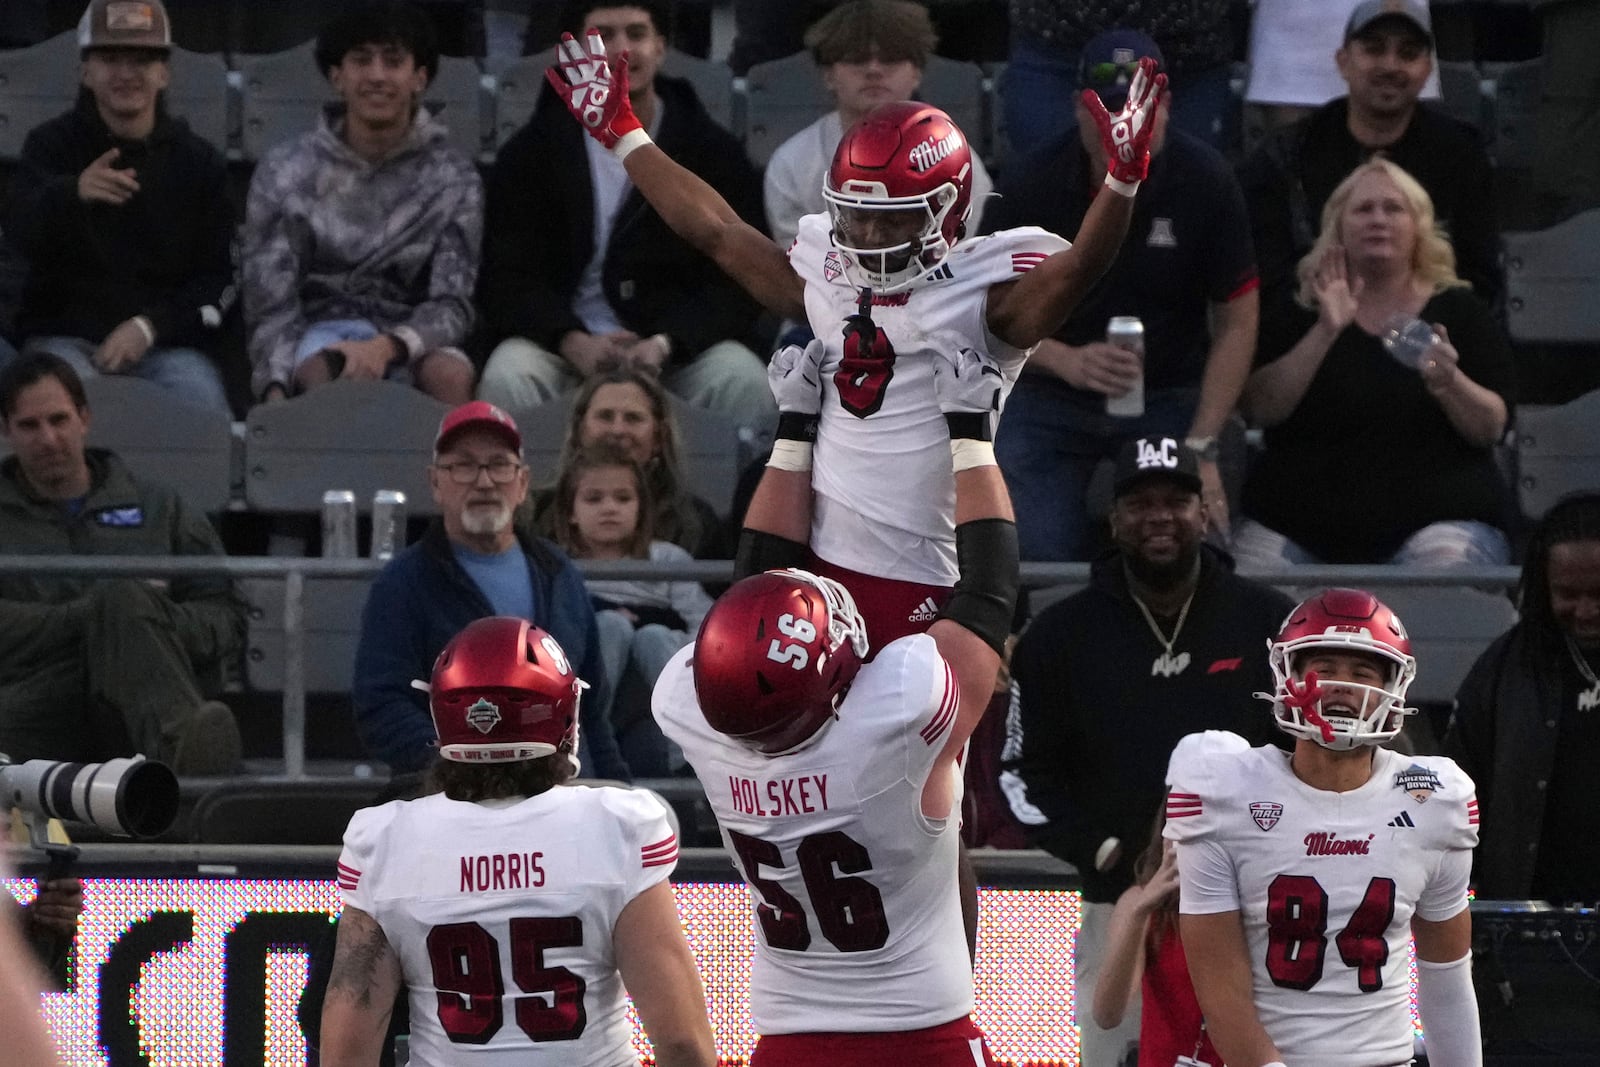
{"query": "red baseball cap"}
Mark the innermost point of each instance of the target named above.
(478, 414)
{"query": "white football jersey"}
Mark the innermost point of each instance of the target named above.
(857, 920)
(1326, 883)
(501, 914)
(881, 465)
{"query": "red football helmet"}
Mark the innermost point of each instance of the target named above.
(503, 691)
(905, 161)
(1348, 620)
(774, 657)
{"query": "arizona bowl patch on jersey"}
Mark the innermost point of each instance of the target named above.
(1418, 781)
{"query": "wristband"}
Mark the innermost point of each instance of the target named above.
(145, 328)
(629, 141)
(966, 453)
(1128, 189)
(792, 456)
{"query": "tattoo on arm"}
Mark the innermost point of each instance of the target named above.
(365, 967)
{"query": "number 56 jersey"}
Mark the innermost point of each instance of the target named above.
(1326, 884)
(501, 914)
(857, 919)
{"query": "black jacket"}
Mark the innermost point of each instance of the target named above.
(1098, 724)
(165, 254)
(1288, 177)
(1504, 734)
(539, 234)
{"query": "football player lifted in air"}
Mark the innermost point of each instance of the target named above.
(513, 911)
(1304, 875)
(834, 779)
(887, 279)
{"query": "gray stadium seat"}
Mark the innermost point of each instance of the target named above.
(713, 84)
(1449, 628)
(36, 84)
(1515, 90)
(1553, 281)
(362, 436)
(1461, 93)
(162, 438)
(1558, 452)
(783, 97)
(282, 94)
(957, 89)
(199, 95)
(332, 616)
(710, 453)
(456, 99)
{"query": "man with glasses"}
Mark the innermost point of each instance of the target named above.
(1186, 271)
(471, 563)
(123, 217)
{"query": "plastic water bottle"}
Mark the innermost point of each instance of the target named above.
(1406, 338)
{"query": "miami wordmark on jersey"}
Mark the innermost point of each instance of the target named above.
(854, 890)
(1326, 885)
(881, 465)
(501, 914)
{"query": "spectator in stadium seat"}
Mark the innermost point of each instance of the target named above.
(1186, 270)
(123, 216)
(1166, 640)
(1039, 86)
(1527, 721)
(581, 275)
(471, 563)
(869, 52)
(627, 408)
(602, 512)
(98, 668)
(1386, 59)
(361, 238)
(1346, 424)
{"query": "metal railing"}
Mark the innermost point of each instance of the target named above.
(295, 571)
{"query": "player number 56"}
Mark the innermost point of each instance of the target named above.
(799, 630)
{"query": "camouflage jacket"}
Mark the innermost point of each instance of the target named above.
(328, 235)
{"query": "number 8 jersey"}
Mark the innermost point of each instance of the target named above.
(501, 914)
(858, 922)
(1326, 884)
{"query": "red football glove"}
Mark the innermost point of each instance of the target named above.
(1126, 135)
(1308, 698)
(595, 93)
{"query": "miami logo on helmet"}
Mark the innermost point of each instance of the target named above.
(934, 150)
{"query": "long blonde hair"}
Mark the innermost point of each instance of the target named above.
(1433, 260)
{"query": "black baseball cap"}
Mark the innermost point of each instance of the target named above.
(1155, 457)
(1108, 62)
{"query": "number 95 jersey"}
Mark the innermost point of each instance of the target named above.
(1326, 884)
(858, 922)
(501, 914)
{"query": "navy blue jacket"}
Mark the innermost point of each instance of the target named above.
(419, 602)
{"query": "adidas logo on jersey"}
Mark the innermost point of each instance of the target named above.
(1403, 819)
(926, 611)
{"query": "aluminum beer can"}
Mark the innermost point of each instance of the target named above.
(388, 523)
(339, 524)
(1126, 331)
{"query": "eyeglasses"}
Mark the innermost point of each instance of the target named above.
(465, 472)
(1104, 74)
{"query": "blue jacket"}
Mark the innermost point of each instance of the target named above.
(419, 602)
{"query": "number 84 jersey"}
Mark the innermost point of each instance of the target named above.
(1326, 884)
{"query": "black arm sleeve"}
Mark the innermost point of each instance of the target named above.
(986, 593)
(760, 551)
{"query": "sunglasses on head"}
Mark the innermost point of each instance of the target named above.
(1109, 73)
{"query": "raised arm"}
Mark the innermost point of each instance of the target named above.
(1024, 312)
(597, 95)
(972, 628)
(361, 992)
(777, 524)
